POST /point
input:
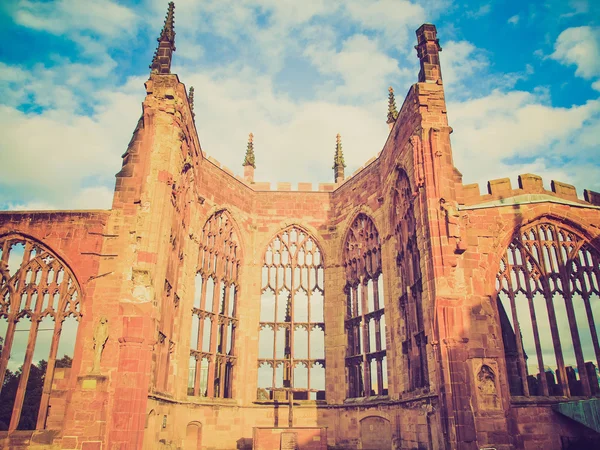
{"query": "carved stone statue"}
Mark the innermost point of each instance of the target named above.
(487, 387)
(454, 224)
(100, 338)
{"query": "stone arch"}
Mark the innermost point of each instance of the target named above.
(375, 433)
(193, 436)
(214, 312)
(350, 219)
(548, 304)
(38, 286)
(292, 310)
(288, 224)
(364, 321)
(504, 239)
(235, 221)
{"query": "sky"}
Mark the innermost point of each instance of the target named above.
(522, 82)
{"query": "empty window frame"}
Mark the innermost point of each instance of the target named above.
(39, 316)
(366, 362)
(408, 264)
(549, 311)
(214, 321)
(292, 328)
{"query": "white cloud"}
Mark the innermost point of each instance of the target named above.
(483, 10)
(506, 134)
(514, 20)
(362, 66)
(579, 46)
(53, 155)
(104, 17)
(397, 18)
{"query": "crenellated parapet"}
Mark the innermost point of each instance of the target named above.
(531, 190)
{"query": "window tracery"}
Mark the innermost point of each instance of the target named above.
(408, 264)
(549, 309)
(366, 362)
(39, 314)
(292, 328)
(214, 321)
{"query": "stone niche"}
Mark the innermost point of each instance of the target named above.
(485, 381)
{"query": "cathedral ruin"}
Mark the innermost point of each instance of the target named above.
(396, 308)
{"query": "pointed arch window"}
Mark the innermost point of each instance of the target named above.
(39, 316)
(408, 264)
(549, 308)
(214, 321)
(292, 328)
(366, 362)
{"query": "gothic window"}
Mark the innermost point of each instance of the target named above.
(366, 362)
(39, 315)
(292, 329)
(408, 264)
(212, 356)
(549, 308)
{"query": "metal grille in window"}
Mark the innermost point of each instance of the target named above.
(39, 316)
(408, 263)
(214, 321)
(292, 328)
(549, 308)
(366, 362)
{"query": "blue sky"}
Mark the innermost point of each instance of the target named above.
(522, 82)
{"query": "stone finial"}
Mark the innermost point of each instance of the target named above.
(161, 63)
(338, 160)
(392, 111)
(191, 100)
(249, 159)
(428, 50)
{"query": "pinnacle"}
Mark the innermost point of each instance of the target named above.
(168, 31)
(392, 111)
(191, 100)
(338, 159)
(249, 159)
(161, 62)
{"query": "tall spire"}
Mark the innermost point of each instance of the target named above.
(338, 160)
(249, 161)
(191, 101)
(161, 63)
(392, 111)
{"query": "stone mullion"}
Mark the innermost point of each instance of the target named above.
(538, 347)
(25, 370)
(212, 349)
(365, 334)
(567, 296)
(48, 379)
(276, 323)
(517, 330)
(292, 321)
(590, 317)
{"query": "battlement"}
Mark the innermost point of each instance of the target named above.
(500, 190)
(262, 186)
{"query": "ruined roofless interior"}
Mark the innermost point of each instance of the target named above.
(396, 308)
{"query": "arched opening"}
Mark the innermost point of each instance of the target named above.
(366, 361)
(548, 298)
(292, 339)
(408, 264)
(39, 316)
(193, 436)
(375, 433)
(214, 314)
